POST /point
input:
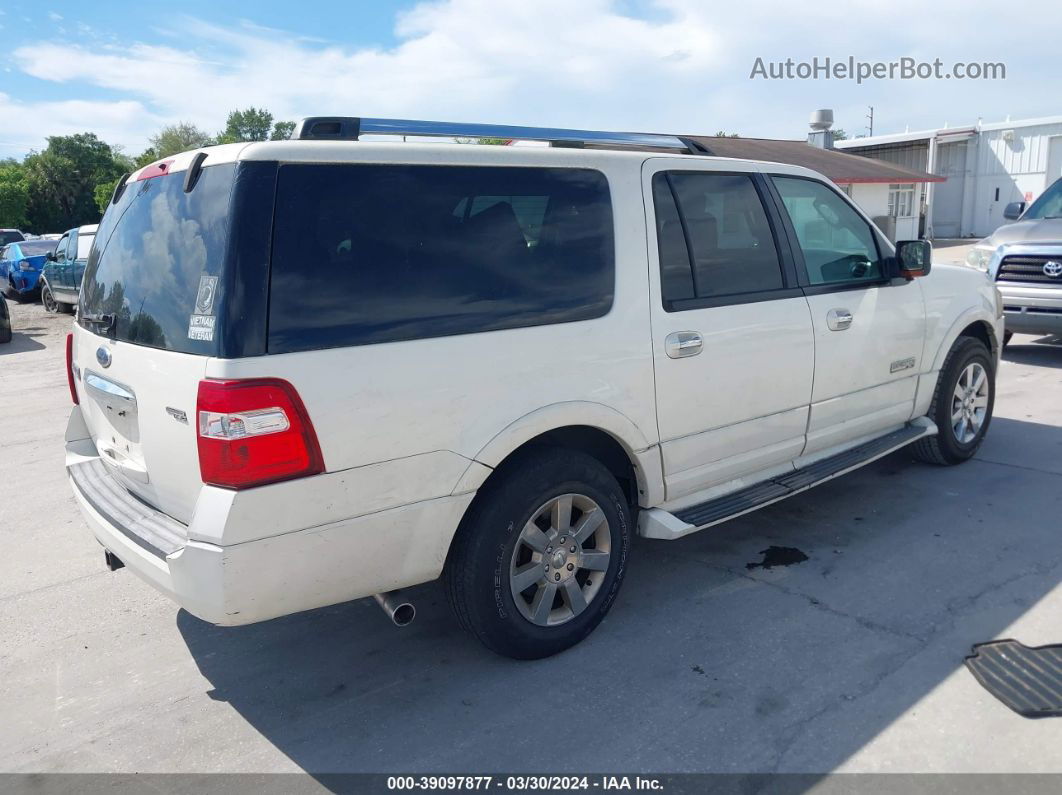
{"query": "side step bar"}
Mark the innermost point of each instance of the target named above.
(664, 525)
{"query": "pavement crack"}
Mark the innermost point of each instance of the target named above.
(815, 602)
(1016, 466)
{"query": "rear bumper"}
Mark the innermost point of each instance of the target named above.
(270, 577)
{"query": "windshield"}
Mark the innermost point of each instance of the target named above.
(1049, 205)
(34, 248)
(153, 274)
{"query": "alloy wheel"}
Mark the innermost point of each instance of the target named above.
(560, 560)
(969, 403)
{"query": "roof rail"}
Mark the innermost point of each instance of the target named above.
(351, 128)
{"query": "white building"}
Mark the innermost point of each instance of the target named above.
(986, 166)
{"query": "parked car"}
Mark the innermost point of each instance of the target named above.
(10, 236)
(21, 264)
(517, 359)
(62, 276)
(5, 321)
(1025, 260)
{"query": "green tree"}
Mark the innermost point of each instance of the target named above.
(840, 135)
(282, 130)
(722, 134)
(14, 194)
(253, 124)
(176, 138)
(62, 180)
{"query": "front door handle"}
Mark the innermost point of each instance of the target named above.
(680, 344)
(838, 319)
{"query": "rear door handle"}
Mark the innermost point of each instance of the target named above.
(680, 344)
(838, 319)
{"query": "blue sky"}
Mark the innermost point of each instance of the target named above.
(123, 69)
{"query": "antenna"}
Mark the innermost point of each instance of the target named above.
(870, 116)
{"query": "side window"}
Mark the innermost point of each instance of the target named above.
(412, 251)
(60, 249)
(714, 237)
(71, 247)
(838, 245)
(84, 245)
(5, 252)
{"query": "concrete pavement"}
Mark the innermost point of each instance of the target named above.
(849, 661)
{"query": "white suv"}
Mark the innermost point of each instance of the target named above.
(315, 370)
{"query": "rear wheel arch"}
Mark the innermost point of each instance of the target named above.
(579, 425)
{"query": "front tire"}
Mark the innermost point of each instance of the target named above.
(962, 405)
(541, 554)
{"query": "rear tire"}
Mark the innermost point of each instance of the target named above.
(48, 300)
(556, 522)
(962, 405)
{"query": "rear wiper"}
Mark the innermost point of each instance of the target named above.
(104, 319)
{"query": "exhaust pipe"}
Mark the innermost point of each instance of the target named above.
(398, 609)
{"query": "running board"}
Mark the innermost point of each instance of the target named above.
(658, 523)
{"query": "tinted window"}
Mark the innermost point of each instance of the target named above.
(155, 268)
(838, 245)
(10, 237)
(377, 253)
(726, 238)
(34, 248)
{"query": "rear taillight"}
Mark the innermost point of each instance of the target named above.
(253, 432)
(70, 367)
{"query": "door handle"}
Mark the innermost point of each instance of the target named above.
(679, 344)
(838, 319)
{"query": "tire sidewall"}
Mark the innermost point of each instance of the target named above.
(54, 307)
(504, 519)
(970, 352)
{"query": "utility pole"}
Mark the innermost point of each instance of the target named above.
(870, 116)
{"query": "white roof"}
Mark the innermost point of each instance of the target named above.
(393, 151)
(944, 132)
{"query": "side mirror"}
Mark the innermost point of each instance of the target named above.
(1013, 211)
(914, 258)
(50, 256)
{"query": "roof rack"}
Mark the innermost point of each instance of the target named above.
(351, 128)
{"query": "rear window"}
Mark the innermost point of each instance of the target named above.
(34, 248)
(10, 237)
(84, 245)
(152, 279)
(379, 253)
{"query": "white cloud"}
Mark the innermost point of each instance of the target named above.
(114, 122)
(558, 62)
(54, 17)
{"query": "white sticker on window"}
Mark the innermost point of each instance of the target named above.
(201, 327)
(204, 299)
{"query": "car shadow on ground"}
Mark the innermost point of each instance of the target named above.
(1037, 351)
(22, 341)
(705, 664)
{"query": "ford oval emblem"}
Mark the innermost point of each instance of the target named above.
(103, 356)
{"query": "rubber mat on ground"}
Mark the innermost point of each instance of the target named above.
(1028, 680)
